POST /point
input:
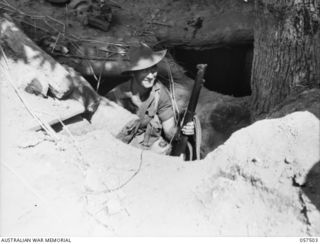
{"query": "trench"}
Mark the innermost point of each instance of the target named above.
(228, 71)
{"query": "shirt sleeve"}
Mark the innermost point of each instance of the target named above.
(165, 108)
(117, 94)
(111, 96)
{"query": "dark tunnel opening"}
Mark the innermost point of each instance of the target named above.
(106, 83)
(229, 67)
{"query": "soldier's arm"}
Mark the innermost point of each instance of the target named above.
(169, 128)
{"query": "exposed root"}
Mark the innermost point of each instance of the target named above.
(124, 183)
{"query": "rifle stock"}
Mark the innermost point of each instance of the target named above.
(181, 140)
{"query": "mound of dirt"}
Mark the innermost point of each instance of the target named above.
(265, 177)
(81, 181)
(264, 181)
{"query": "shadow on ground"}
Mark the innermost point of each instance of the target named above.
(312, 188)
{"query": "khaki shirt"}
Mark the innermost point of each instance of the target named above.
(152, 112)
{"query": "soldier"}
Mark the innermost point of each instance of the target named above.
(147, 97)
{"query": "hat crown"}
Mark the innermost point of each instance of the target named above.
(142, 51)
(143, 57)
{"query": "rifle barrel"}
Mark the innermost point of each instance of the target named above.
(180, 144)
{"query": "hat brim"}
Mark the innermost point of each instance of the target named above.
(146, 62)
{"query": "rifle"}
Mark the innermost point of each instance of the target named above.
(181, 140)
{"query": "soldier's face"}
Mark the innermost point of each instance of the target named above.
(146, 77)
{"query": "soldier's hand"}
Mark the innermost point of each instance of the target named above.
(188, 129)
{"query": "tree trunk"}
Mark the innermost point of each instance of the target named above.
(286, 51)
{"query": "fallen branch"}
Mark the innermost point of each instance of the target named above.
(158, 23)
(44, 18)
(43, 124)
(84, 166)
(85, 58)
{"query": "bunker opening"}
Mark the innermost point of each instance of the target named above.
(102, 85)
(229, 67)
(228, 73)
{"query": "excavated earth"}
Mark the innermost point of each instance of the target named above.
(160, 24)
(263, 180)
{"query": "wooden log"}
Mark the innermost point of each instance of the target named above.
(27, 62)
(23, 62)
(28, 56)
(112, 117)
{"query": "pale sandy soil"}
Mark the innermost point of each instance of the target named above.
(90, 184)
(263, 181)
